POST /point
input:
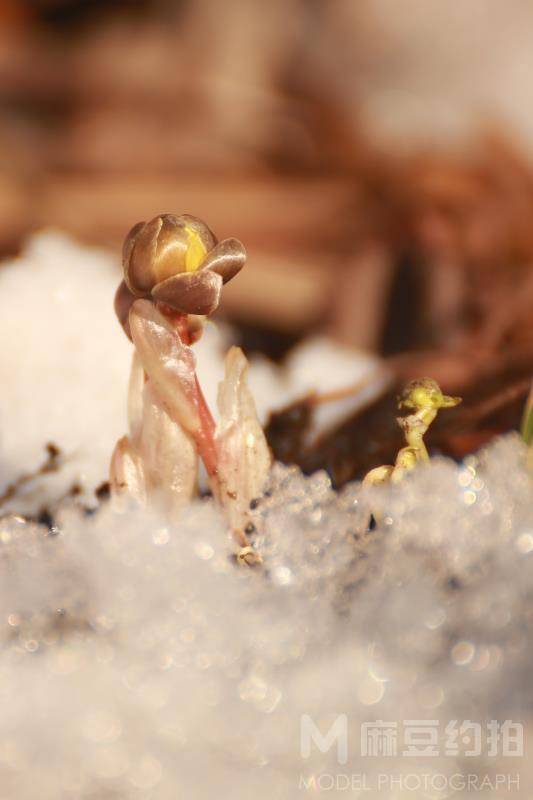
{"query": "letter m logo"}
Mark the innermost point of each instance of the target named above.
(338, 733)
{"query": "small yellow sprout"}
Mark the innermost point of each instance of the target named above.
(527, 428)
(378, 475)
(424, 397)
(405, 462)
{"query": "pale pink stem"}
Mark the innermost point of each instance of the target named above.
(205, 438)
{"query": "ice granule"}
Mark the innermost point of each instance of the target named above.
(307, 535)
(139, 660)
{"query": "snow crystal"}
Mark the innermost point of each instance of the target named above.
(139, 660)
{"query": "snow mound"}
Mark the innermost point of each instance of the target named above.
(139, 660)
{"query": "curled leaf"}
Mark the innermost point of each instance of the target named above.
(191, 292)
(168, 455)
(138, 256)
(126, 475)
(135, 397)
(127, 249)
(244, 458)
(169, 363)
(227, 258)
(124, 300)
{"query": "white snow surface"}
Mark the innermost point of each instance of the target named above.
(137, 660)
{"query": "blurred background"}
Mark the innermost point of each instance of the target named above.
(374, 157)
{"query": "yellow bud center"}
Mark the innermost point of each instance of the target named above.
(196, 251)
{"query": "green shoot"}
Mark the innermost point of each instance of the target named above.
(424, 398)
(527, 420)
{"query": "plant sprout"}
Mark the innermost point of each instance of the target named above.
(527, 420)
(425, 399)
(527, 427)
(174, 269)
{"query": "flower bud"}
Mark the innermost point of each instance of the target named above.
(425, 393)
(166, 246)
